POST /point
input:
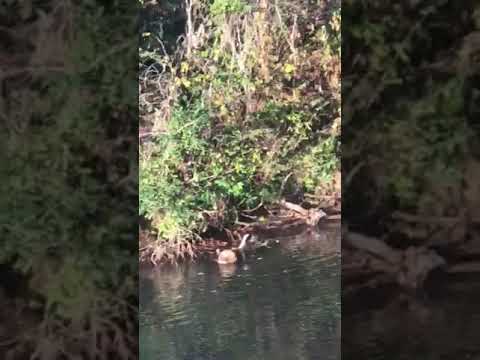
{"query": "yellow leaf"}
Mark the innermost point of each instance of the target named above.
(184, 67)
(288, 68)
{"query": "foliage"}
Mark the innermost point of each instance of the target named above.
(220, 8)
(319, 164)
(69, 214)
(406, 91)
(250, 98)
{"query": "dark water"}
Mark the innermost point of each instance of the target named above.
(282, 303)
(440, 324)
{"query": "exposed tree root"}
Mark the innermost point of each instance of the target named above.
(286, 220)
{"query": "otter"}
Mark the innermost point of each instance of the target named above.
(228, 256)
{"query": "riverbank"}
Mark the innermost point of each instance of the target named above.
(241, 114)
(264, 225)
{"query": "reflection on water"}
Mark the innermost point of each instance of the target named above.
(282, 303)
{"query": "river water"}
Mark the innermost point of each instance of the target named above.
(440, 323)
(282, 303)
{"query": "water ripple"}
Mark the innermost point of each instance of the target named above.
(281, 304)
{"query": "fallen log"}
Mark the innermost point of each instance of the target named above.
(312, 216)
(408, 268)
(373, 246)
(294, 207)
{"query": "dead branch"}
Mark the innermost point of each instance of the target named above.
(409, 268)
(293, 207)
(374, 247)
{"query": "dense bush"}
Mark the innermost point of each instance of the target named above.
(404, 108)
(249, 99)
(69, 206)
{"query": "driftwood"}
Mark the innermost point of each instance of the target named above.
(275, 226)
(456, 237)
(369, 262)
(288, 219)
(408, 268)
(294, 207)
(374, 247)
(312, 216)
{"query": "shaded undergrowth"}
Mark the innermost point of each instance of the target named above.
(69, 194)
